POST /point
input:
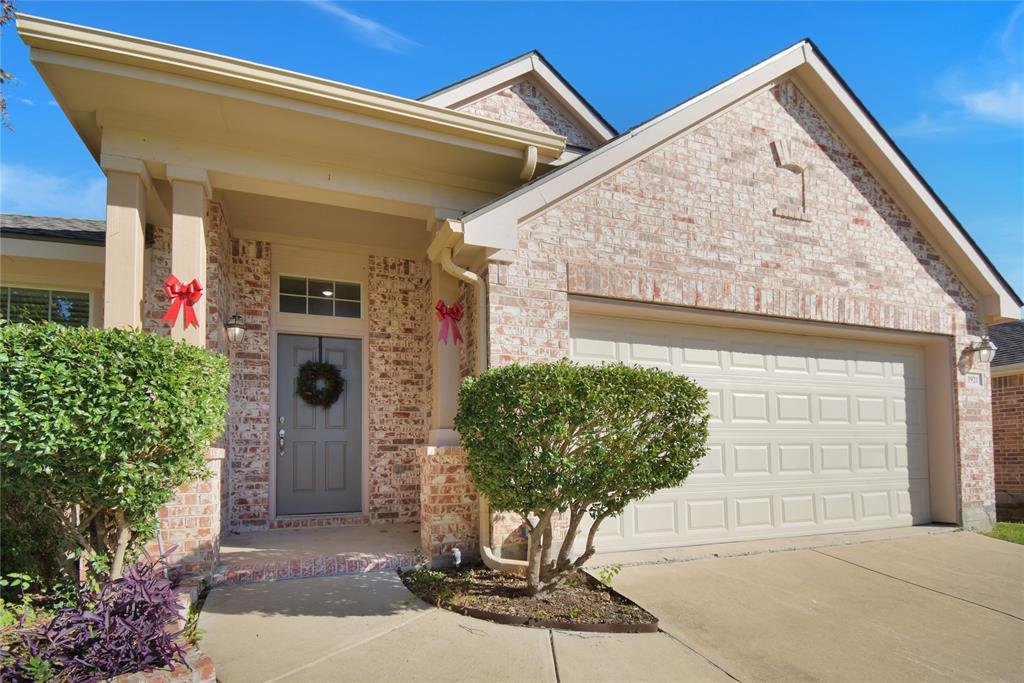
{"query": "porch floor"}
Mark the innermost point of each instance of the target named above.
(324, 551)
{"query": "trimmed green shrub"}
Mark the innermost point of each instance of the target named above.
(98, 427)
(577, 439)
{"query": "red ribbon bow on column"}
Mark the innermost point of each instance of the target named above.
(449, 317)
(182, 294)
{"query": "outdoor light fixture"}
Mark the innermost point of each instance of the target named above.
(984, 350)
(235, 329)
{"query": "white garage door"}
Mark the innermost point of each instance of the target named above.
(807, 434)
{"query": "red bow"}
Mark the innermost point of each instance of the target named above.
(449, 317)
(182, 294)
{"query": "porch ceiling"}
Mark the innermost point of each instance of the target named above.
(277, 219)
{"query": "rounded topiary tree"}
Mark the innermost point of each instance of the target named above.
(98, 427)
(577, 439)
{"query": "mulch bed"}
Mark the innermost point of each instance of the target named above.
(580, 603)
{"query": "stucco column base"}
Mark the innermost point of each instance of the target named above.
(979, 516)
(449, 509)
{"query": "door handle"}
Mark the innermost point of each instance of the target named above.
(280, 442)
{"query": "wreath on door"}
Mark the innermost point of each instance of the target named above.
(319, 384)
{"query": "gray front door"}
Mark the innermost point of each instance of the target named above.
(318, 450)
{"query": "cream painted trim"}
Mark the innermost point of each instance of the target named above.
(326, 245)
(42, 248)
(496, 225)
(260, 172)
(592, 305)
(1007, 370)
(500, 77)
(411, 115)
(938, 368)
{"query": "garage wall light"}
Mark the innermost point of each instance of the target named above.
(984, 350)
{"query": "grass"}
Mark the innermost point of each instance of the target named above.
(1008, 531)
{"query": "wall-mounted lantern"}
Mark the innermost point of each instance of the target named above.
(234, 328)
(984, 350)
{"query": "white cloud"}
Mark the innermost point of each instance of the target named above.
(28, 191)
(1003, 103)
(371, 32)
(985, 90)
(925, 125)
(52, 103)
(25, 100)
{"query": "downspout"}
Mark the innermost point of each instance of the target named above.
(490, 560)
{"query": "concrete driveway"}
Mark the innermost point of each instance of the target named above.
(922, 608)
(947, 606)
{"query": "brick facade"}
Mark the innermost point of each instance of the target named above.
(1008, 440)
(525, 104)
(449, 505)
(249, 417)
(398, 292)
(692, 223)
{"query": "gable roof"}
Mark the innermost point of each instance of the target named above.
(53, 228)
(1009, 341)
(534, 65)
(495, 224)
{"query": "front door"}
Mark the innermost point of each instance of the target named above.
(318, 450)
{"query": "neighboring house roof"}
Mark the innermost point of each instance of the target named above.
(495, 224)
(53, 228)
(1009, 341)
(537, 68)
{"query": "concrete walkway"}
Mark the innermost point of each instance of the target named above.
(370, 628)
(923, 607)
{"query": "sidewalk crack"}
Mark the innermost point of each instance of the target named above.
(927, 588)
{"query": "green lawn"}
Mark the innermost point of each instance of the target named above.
(1008, 531)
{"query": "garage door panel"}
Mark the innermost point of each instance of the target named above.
(806, 434)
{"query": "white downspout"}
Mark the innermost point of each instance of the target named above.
(490, 560)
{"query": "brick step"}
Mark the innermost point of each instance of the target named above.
(309, 567)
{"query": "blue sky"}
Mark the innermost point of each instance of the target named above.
(945, 79)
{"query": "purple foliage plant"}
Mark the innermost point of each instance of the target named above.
(130, 625)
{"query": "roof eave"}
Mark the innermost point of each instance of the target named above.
(46, 34)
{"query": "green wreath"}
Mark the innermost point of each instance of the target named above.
(319, 384)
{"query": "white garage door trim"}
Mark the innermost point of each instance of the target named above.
(810, 434)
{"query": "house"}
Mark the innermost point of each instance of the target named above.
(765, 237)
(1008, 419)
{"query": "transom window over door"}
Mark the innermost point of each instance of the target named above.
(26, 305)
(309, 296)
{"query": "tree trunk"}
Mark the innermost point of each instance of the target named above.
(533, 556)
(124, 536)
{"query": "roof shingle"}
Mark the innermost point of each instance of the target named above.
(1009, 341)
(53, 227)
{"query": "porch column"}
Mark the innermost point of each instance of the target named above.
(189, 196)
(125, 241)
(444, 363)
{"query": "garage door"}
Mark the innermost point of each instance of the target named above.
(807, 434)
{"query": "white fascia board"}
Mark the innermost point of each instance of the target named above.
(60, 250)
(496, 225)
(1006, 370)
(530, 64)
(999, 304)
